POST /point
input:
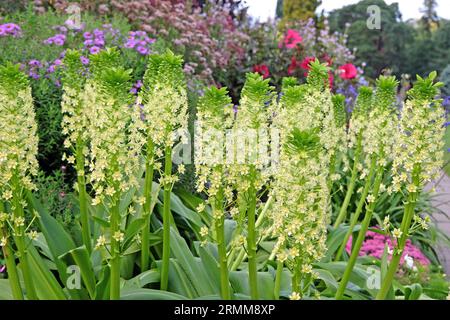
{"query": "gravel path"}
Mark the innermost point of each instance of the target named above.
(442, 202)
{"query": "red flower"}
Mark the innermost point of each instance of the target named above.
(330, 79)
(292, 38)
(305, 63)
(262, 69)
(292, 66)
(327, 59)
(348, 71)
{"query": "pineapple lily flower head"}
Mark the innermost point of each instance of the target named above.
(18, 133)
(114, 160)
(164, 100)
(419, 151)
(214, 117)
(75, 113)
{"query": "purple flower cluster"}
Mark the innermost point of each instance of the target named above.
(33, 68)
(374, 243)
(58, 39)
(136, 87)
(2, 268)
(94, 41)
(139, 41)
(10, 29)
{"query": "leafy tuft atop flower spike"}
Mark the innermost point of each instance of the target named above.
(12, 79)
(386, 92)
(164, 69)
(104, 60)
(425, 89)
(304, 143)
(257, 89)
(340, 115)
(73, 70)
(288, 82)
(214, 102)
(318, 74)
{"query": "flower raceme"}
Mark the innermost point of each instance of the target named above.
(305, 117)
(418, 159)
(214, 117)
(164, 119)
(18, 164)
(19, 141)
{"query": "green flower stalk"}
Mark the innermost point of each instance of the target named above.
(114, 160)
(165, 118)
(358, 124)
(8, 254)
(379, 138)
(301, 211)
(249, 172)
(356, 128)
(340, 119)
(214, 117)
(418, 159)
(75, 124)
(18, 150)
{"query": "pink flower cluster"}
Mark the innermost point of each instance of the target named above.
(10, 29)
(374, 244)
(140, 41)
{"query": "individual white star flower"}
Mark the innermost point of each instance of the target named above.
(294, 296)
(33, 235)
(386, 223)
(19, 221)
(101, 241)
(397, 233)
(181, 168)
(3, 241)
(370, 198)
(204, 231)
(119, 236)
(200, 208)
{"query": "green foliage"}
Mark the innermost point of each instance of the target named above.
(294, 10)
(54, 194)
(445, 78)
(379, 49)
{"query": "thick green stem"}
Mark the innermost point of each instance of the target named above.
(277, 286)
(395, 261)
(11, 267)
(222, 250)
(343, 211)
(82, 197)
(115, 252)
(20, 240)
(147, 206)
(361, 236)
(358, 211)
(251, 237)
(234, 264)
(166, 220)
